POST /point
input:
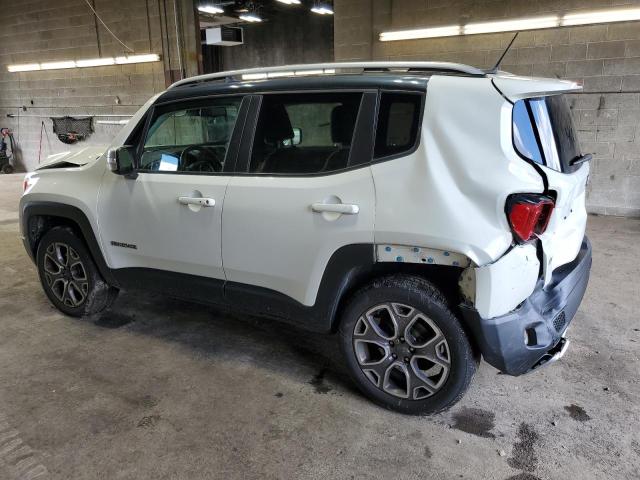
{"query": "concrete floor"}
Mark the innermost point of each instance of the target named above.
(160, 389)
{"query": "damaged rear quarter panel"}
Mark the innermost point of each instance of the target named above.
(455, 185)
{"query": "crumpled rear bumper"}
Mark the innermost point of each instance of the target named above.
(533, 334)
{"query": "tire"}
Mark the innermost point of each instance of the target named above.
(7, 169)
(69, 276)
(408, 317)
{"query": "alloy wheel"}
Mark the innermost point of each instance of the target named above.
(65, 274)
(401, 351)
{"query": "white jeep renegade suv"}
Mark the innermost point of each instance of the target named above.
(429, 213)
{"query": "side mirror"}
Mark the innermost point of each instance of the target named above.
(297, 136)
(120, 160)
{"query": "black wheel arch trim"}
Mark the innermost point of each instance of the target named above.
(69, 213)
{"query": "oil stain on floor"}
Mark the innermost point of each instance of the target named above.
(475, 421)
(524, 456)
(111, 319)
(318, 382)
(577, 412)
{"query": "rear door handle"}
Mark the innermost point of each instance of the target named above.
(202, 201)
(343, 208)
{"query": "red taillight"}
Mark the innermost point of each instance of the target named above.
(529, 215)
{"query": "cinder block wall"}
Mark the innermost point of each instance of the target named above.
(605, 57)
(48, 31)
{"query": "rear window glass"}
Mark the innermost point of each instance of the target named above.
(564, 129)
(398, 121)
(543, 131)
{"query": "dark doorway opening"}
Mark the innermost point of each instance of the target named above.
(287, 34)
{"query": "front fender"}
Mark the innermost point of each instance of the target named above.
(32, 209)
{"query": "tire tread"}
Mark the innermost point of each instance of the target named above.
(428, 293)
(102, 294)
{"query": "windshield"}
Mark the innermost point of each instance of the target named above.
(543, 131)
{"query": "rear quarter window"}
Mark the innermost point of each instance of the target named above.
(398, 123)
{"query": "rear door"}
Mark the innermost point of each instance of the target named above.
(544, 133)
(303, 190)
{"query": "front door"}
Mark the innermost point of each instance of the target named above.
(169, 217)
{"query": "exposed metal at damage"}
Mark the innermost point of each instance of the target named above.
(423, 255)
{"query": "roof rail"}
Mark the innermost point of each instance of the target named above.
(330, 69)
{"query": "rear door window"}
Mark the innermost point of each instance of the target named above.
(543, 131)
(304, 133)
(398, 122)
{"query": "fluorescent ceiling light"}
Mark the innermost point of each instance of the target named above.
(602, 16)
(517, 24)
(91, 62)
(511, 25)
(290, 2)
(57, 65)
(95, 62)
(449, 31)
(322, 9)
(250, 17)
(150, 57)
(212, 9)
(28, 67)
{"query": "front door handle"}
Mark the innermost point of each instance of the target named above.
(344, 208)
(201, 201)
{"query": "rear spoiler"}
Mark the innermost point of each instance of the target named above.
(516, 88)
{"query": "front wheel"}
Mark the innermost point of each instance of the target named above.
(69, 276)
(404, 347)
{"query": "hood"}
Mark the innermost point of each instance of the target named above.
(73, 159)
(516, 88)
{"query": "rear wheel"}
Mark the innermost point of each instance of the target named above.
(7, 169)
(69, 276)
(404, 347)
